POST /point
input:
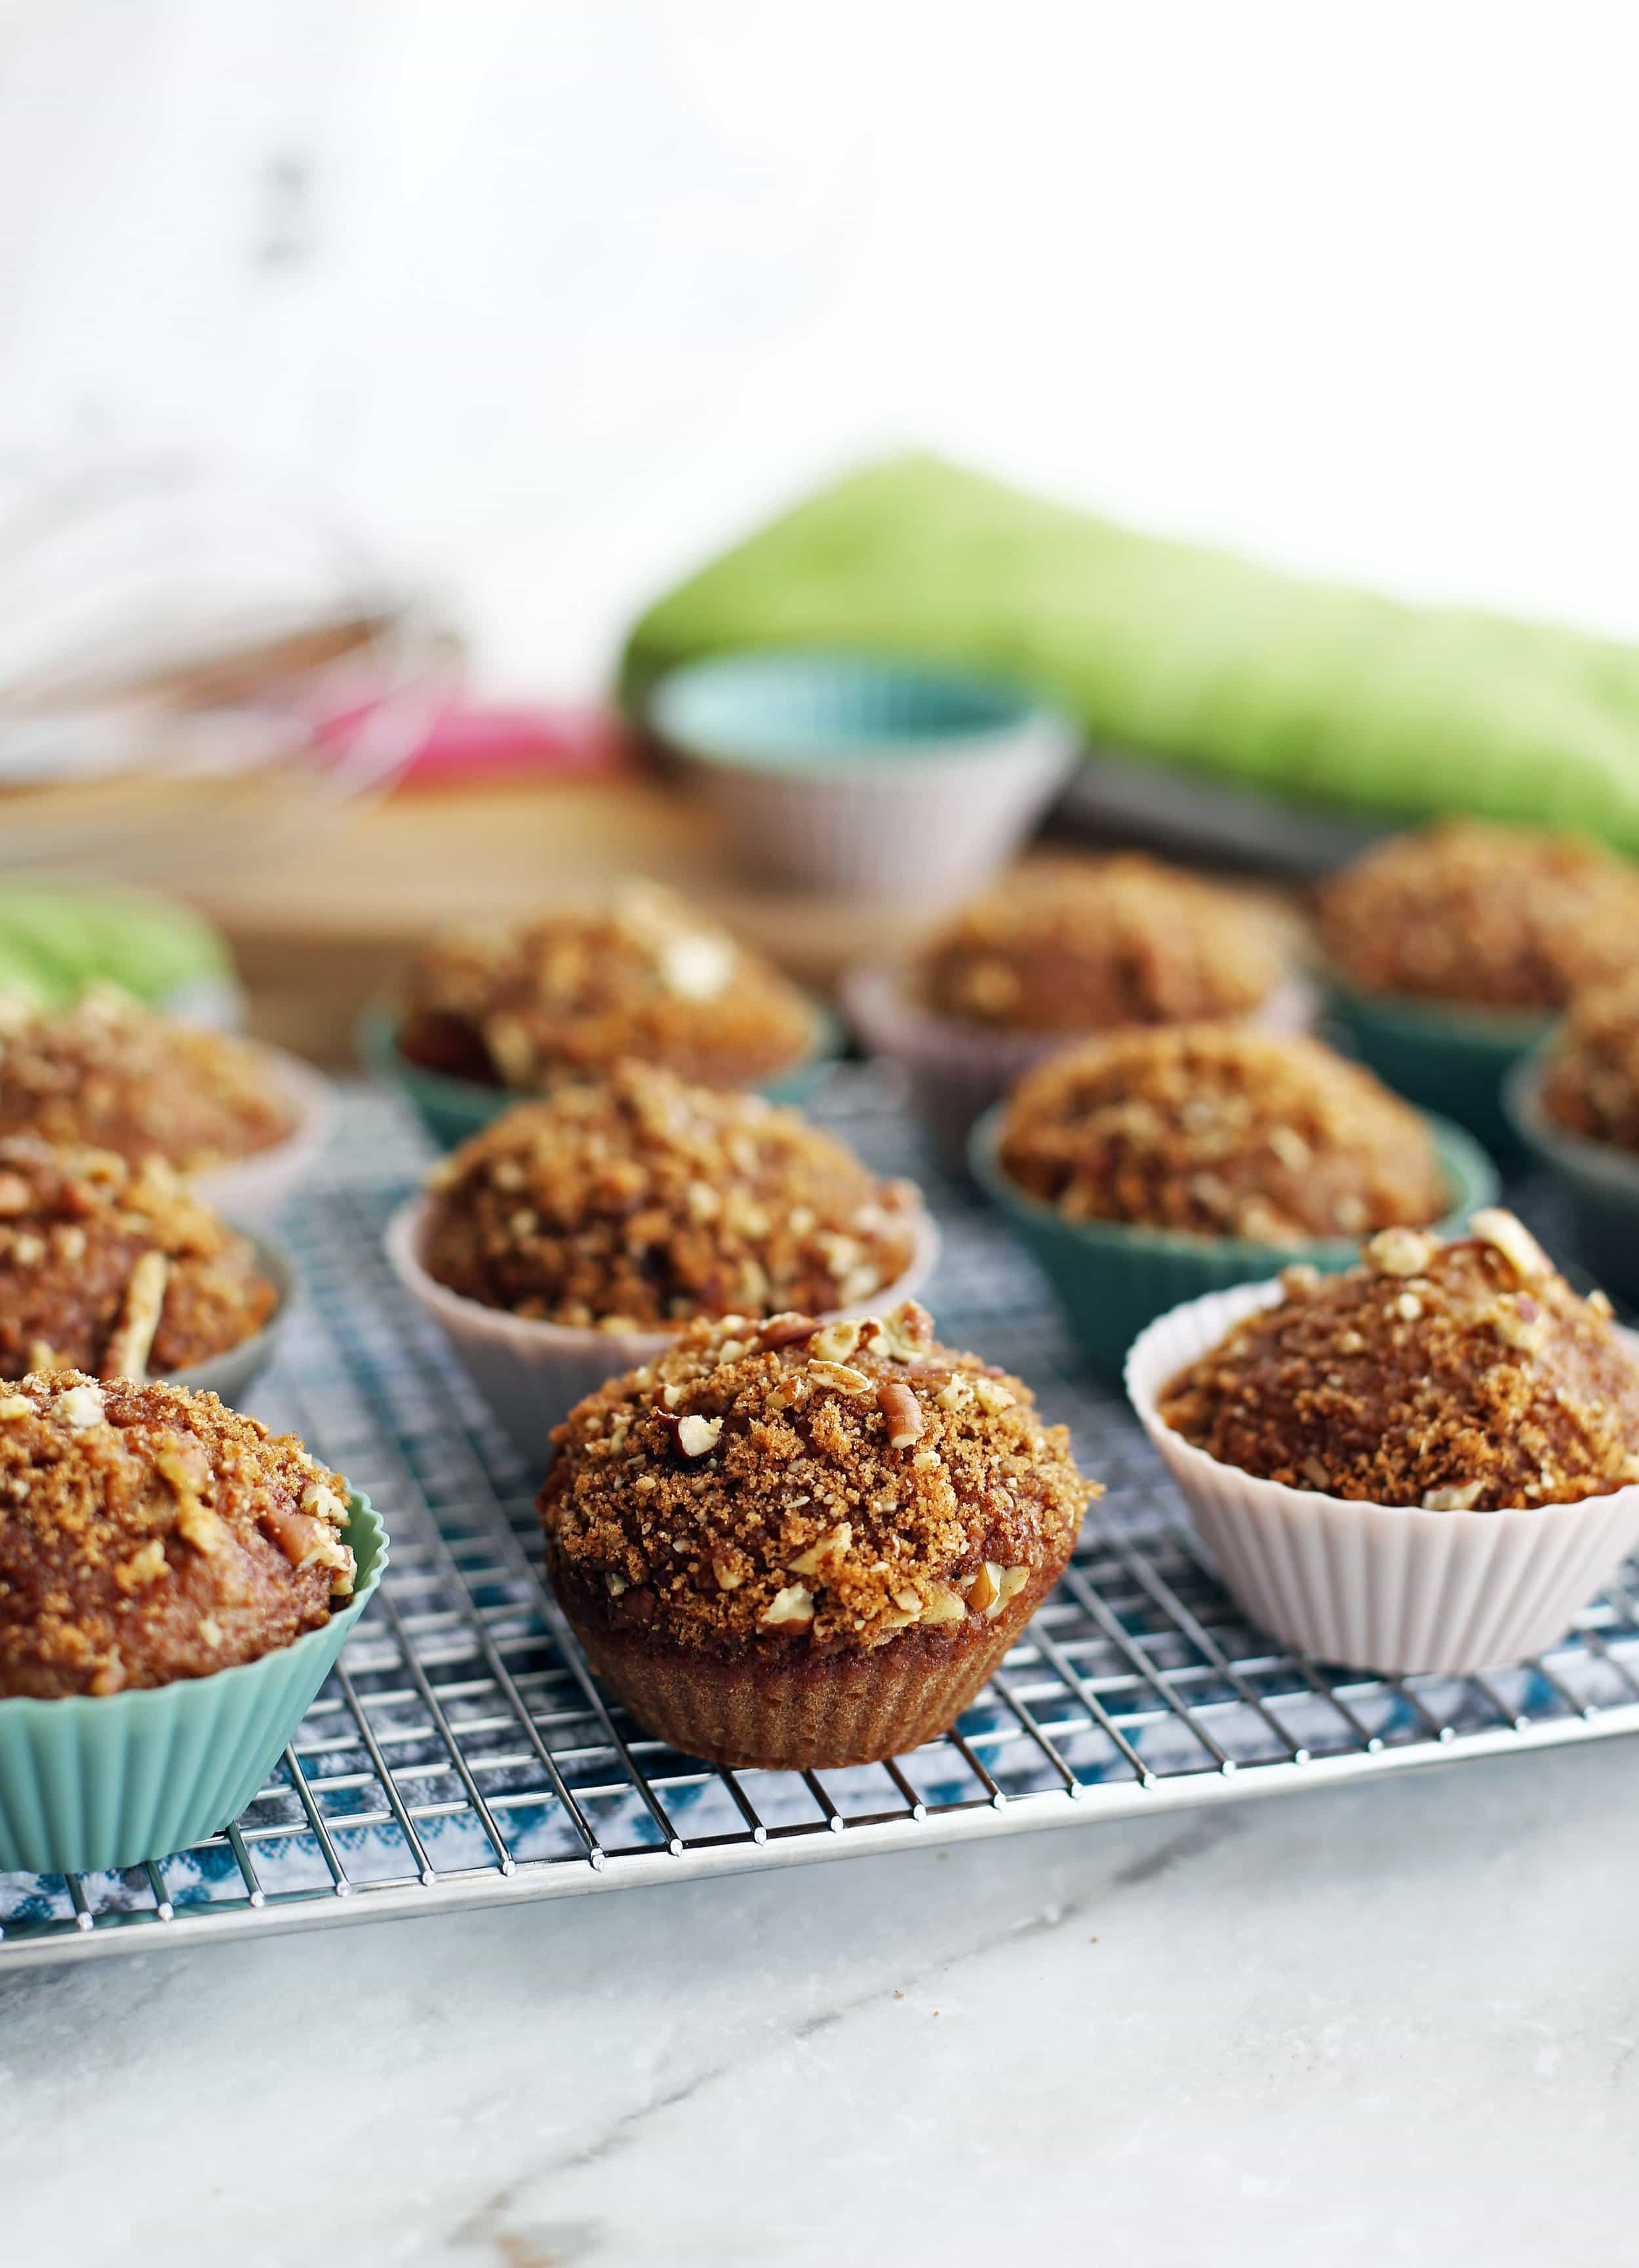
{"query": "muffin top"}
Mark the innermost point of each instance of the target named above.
(523, 1003)
(114, 1268)
(1484, 915)
(638, 1202)
(825, 1485)
(148, 1534)
(1080, 944)
(1457, 1376)
(111, 1074)
(1220, 1131)
(1590, 1081)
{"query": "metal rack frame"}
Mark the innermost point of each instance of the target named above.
(462, 1754)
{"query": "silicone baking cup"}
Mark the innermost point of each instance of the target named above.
(91, 1783)
(532, 1373)
(955, 1070)
(256, 1188)
(1601, 1181)
(454, 1109)
(1385, 1588)
(1443, 1056)
(1113, 1278)
(871, 780)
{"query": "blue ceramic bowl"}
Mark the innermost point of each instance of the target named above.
(869, 779)
(1113, 1278)
(454, 1109)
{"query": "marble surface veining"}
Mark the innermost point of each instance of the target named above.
(1395, 2023)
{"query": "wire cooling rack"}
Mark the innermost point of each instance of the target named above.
(461, 1754)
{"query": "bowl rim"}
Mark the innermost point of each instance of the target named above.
(1462, 1160)
(375, 1038)
(1236, 1301)
(1018, 714)
(531, 1335)
(153, 1699)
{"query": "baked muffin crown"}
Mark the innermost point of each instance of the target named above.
(1215, 1130)
(1081, 945)
(522, 1004)
(110, 1074)
(1472, 912)
(114, 1268)
(799, 1484)
(1456, 1376)
(148, 1533)
(638, 1201)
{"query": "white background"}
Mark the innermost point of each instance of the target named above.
(552, 299)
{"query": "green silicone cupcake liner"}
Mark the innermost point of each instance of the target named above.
(1112, 1279)
(88, 1784)
(1449, 1060)
(1601, 1181)
(453, 1109)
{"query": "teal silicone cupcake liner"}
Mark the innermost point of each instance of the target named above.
(1449, 1060)
(454, 1109)
(1112, 1278)
(88, 1784)
(1601, 1183)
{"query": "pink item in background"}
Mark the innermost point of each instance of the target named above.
(471, 744)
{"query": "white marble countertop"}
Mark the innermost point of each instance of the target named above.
(1393, 2023)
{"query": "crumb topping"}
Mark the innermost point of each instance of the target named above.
(114, 1268)
(638, 1202)
(1220, 1131)
(522, 1005)
(830, 1485)
(1474, 1380)
(1590, 1084)
(1081, 945)
(1488, 916)
(108, 1073)
(148, 1534)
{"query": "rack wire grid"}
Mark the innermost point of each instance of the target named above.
(461, 1754)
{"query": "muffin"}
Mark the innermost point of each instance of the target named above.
(1427, 1464)
(1220, 1132)
(1470, 913)
(108, 1075)
(1064, 947)
(1457, 1376)
(1589, 1083)
(114, 1270)
(521, 1006)
(1079, 946)
(573, 1237)
(797, 1545)
(148, 1534)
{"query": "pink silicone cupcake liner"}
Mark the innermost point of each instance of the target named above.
(1385, 1587)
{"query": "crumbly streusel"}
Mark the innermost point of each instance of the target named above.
(1487, 916)
(148, 1534)
(833, 1484)
(111, 1074)
(1085, 944)
(114, 1268)
(1590, 1082)
(638, 1202)
(524, 1004)
(1220, 1131)
(1457, 1376)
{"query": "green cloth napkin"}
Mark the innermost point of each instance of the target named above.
(1194, 657)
